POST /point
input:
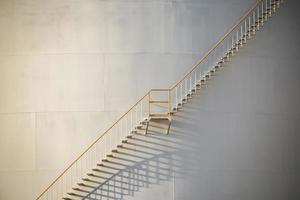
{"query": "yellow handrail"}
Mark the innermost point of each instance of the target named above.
(217, 44)
(91, 145)
(148, 94)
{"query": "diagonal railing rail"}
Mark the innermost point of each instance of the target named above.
(176, 95)
(233, 39)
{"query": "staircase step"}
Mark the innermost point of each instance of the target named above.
(129, 136)
(91, 174)
(100, 164)
(102, 171)
(134, 132)
(143, 122)
(159, 118)
(172, 112)
(105, 166)
(138, 126)
(86, 185)
(92, 181)
(96, 177)
(75, 194)
(217, 67)
(81, 190)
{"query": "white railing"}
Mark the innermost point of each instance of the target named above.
(97, 151)
(235, 38)
(104, 144)
(172, 99)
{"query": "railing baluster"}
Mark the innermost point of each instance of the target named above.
(186, 85)
(131, 121)
(190, 90)
(271, 8)
(241, 36)
(232, 44)
(181, 92)
(237, 40)
(195, 84)
(176, 100)
(141, 117)
(254, 27)
(246, 29)
(266, 7)
(258, 22)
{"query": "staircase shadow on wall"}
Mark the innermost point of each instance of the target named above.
(152, 159)
(143, 161)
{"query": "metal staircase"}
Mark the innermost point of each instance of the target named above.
(92, 168)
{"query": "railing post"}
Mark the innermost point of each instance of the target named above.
(241, 36)
(121, 128)
(141, 117)
(271, 8)
(258, 22)
(249, 27)
(131, 121)
(191, 86)
(254, 26)
(262, 13)
(245, 29)
(149, 107)
(266, 12)
(105, 149)
(185, 88)
(125, 119)
(176, 100)
(195, 85)
(181, 92)
(237, 40)
(232, 45)
(169, 102)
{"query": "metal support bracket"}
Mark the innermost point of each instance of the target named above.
(148, 122)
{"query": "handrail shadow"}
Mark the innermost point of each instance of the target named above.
(139, 163)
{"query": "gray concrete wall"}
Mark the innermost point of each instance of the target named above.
(68, 68)
(238, 138)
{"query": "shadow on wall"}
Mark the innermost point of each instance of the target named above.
(142, 161)
(246, 149)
